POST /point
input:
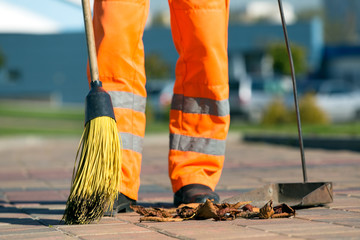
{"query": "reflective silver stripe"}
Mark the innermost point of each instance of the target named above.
(132, 142)
(195, 144)
(200, 105)
(128, 100)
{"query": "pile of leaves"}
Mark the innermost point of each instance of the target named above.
(210, 210)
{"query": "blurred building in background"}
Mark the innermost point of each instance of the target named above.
(44, 67)
(42, 47)
(45, 58)
(53, 65)
(343, 21)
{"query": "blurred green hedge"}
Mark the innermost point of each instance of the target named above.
(310, 113)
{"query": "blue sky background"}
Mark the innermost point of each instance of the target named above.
(298, 4)
(68, 17)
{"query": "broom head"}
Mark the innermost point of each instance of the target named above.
(97, 170)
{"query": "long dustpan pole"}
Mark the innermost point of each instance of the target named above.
(295, 92)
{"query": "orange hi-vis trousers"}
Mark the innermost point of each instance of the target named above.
(199, 115)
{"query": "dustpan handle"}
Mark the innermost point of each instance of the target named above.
(90, 40)
(295, 91)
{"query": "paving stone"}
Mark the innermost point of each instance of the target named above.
(95, 229)
(22, 205)
(349, 209)
(22, 226)
(53, 235)
(8, 208)
(335, 236)
(37, 180)
(326, 231)
(350, 222)
(54, 206)
(50, 174)
(306, 228)
(352, 192)
(152, 188)
(137, 236)
(231, 180)
(128, 217)
(161, 179)
(290, 227)
(34, 196)
(265, 222)
(63, 184)
(317, 214)
(7, 175)
(270, 236)
(23, 184)
(208, 229)
(154, 169)
(156, 197)
(345, 203)
(225, 194)
(49, 219)
(12, 214)
(110, 220)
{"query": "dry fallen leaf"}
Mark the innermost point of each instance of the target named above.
(152, 212)
(186, 212)
(160, 219)
(210, 210)
(266, 211)
(189, 205)
(206, 210)
(247, 207)
(283, 211)
(240, 204)
(229, 211)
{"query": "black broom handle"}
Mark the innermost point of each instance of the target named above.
(89, 30)
(295, 92)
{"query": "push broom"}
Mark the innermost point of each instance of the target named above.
(96, 177)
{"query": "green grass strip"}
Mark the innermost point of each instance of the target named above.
(44, 113)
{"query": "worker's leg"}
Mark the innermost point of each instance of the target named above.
(199, 116)
(119, 27)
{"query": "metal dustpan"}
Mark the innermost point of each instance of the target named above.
(296, 195)
(304, 194)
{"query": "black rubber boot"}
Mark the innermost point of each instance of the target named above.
(195, 193)
(121, 205)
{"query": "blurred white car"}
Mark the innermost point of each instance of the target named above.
(165, 96)
(250, 97)
(159, 95)
(339, 100)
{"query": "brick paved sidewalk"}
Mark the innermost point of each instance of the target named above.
(35, 178)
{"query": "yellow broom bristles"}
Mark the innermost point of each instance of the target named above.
(96, 180)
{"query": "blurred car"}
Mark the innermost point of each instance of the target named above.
(159, 95)
(165, 96)
(250, 97)
(239, 96)
(339, 100)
